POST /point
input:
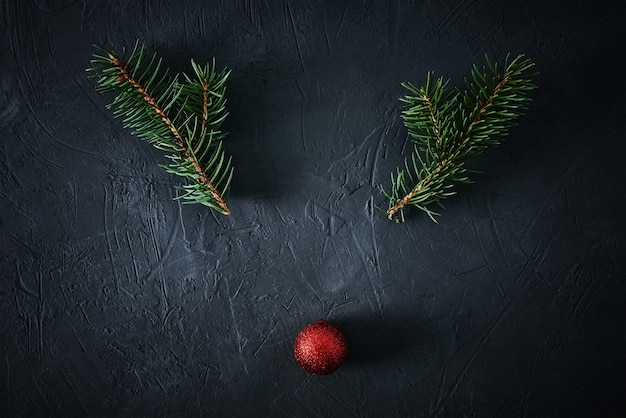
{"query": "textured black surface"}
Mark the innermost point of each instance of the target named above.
(118, 301)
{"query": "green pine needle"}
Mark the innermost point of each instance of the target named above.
(447, 128)
(182, 119)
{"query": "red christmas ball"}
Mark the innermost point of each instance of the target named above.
(320, 348)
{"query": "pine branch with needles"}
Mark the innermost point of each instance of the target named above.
(180, 117)
(449, 126)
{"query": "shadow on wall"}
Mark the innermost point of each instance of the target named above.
(374, 340)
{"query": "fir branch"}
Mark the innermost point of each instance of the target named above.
(182, 119)
(448, 128)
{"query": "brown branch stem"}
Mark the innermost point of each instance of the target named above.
(503, 81)
(205, 100)
(420, 186)
(431, 109)
(186, 152)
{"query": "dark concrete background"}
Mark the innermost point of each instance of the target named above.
(118, 301)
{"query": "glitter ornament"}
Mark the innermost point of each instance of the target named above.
(320, 348)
